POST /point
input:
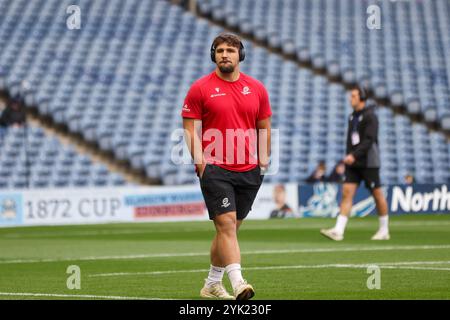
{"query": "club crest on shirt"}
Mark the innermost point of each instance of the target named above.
(245, 91)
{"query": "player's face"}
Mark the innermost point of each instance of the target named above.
(227, 57)
(279, 195)
(354, 99)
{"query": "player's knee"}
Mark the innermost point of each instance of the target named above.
(226, 224)
(347, 193)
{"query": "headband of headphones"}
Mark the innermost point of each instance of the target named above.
(241, 51)
(362, 93)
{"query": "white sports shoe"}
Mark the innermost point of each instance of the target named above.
(332, 234)
(244, 291)
(216, 290)
(381, 235)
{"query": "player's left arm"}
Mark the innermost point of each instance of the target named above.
(263, 127)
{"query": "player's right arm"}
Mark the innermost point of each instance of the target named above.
(192, 124)
(192, 134)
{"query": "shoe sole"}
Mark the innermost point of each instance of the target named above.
(329, 237)
(246, 294)
(210, 296)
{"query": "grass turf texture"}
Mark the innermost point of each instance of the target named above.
(282, 259)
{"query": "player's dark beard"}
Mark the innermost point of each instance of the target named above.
(226, 68)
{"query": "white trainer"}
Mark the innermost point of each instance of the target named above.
(216, 290)
(332, 234)
(244, 291)
(381, 235)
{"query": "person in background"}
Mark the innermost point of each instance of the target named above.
(318, 174)
(409, 179)
(362, 164)
(338, 173)
(282, 209)
(13, 114)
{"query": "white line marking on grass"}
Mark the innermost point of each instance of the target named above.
(199, 254)
(18, 235)
(388, 265)
(86, 296)
(417, 268)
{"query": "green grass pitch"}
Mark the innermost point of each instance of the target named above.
(282, 259)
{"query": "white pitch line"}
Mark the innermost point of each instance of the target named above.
(388, 265)
(88, 296)
(199, 254)
(417, 268)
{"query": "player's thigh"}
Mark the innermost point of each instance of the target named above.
(218, 191)
(246, 191)
(352, 175)
(372, 179)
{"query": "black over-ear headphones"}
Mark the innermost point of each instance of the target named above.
(362, 93)
(241, 52)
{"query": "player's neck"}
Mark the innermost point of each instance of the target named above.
(230, 77)
(360, 108)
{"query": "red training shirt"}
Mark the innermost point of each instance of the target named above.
(228, 106)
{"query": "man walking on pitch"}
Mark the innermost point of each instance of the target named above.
(362, 164)
(220, 108)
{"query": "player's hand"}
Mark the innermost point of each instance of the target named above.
(264, 167)
(349, 159)
(201, 169)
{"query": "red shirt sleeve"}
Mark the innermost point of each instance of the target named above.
(193, 104)
(264, 104)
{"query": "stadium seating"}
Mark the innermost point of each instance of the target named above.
(121, 79)
(31, 158)
(406, 60)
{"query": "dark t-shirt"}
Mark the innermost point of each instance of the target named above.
(284, 211)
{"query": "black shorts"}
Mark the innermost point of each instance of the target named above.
(225, 190)
(370, 176)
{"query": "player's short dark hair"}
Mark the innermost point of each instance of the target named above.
(230, 39)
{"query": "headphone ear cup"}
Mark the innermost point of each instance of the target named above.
(362, 93)
(213, 54)
(241, 53)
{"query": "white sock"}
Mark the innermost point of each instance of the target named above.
(384, 221)
(341, 222)
(234, 274)
(215, 275)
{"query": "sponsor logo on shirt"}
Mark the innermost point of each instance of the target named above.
(186, 108)
(218, 93)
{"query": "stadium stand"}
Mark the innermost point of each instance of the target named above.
(31, 158)
(406, 60)
(121, 79)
